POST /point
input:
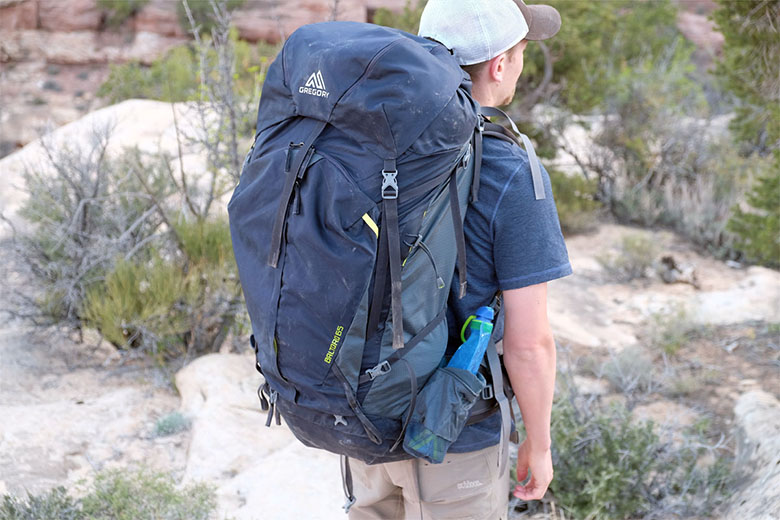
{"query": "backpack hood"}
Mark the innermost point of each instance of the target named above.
(377, 85)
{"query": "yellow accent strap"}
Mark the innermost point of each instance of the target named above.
(368, 220)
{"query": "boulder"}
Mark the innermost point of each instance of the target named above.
(258, 471)
(18, 14)
(758, 457)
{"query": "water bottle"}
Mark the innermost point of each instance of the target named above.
(469, 354)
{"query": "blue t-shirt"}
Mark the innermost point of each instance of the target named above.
(512, 241)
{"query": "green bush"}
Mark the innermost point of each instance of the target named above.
(53, 505)
(671, 330)
(118, 495)
(170, 305)
(174, 77)
(575, 198)
(630, 371)
(634, 258)
(608, 465)
(758, 227)
(171, 424)
(90, 209)
(146, 495)
(407, 20)
(601, 462)
(141, 305)
(117, 11)
(749, 67)
(597, 40)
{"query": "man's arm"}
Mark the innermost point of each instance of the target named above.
(529, 357)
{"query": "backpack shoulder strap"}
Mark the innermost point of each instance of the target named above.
(536, 170)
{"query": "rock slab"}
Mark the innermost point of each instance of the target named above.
(758, 455)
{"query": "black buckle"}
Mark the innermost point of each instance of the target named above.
(389, 182)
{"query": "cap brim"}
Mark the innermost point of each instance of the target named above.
(544, 21)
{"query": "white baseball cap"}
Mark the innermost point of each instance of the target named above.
(479, 30)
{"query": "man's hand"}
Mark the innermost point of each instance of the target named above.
(540, 464)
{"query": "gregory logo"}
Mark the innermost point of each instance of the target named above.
(315, 86)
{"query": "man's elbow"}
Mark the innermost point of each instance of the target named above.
(527, 348)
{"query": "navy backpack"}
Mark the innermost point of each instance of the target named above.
(347, 224)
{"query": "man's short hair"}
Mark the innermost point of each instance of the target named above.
(475, 69)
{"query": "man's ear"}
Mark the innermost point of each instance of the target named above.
(497, 68)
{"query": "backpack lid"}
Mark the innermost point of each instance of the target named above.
(380, 86)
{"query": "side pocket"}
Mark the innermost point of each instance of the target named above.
(441, 412)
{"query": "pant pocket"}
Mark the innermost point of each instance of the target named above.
(441, 412)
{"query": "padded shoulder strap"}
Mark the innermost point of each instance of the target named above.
(536, 170)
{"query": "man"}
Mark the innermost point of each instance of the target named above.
(514, 245)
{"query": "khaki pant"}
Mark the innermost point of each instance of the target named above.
(466, 486)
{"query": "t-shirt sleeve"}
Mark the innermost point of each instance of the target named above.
(528, 246)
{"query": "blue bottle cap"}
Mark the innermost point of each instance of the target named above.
(485, 314)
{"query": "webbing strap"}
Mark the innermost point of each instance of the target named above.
(460, 237)
(477, 146)
(412, 403)
(380, 279)
(289, 183)
(368, 426)
(498, 383)
(346, 482)
(398, 354)
(390, 213)
(536, 170)
(496, 130)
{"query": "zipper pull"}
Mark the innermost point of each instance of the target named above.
(296, 203)
(439, 280)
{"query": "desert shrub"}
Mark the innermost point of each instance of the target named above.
(608, 465)
(117, 11)
(176, 76)
(171, 424)
(85, 209)
(749, 67)
(670, 330)
(758, 225)
(169, 305)
(172, 77)
(635, 256)
(146, 495)
(141, 305)
(118, 495)
(52, 505)
(575, 201)
(630, 371)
